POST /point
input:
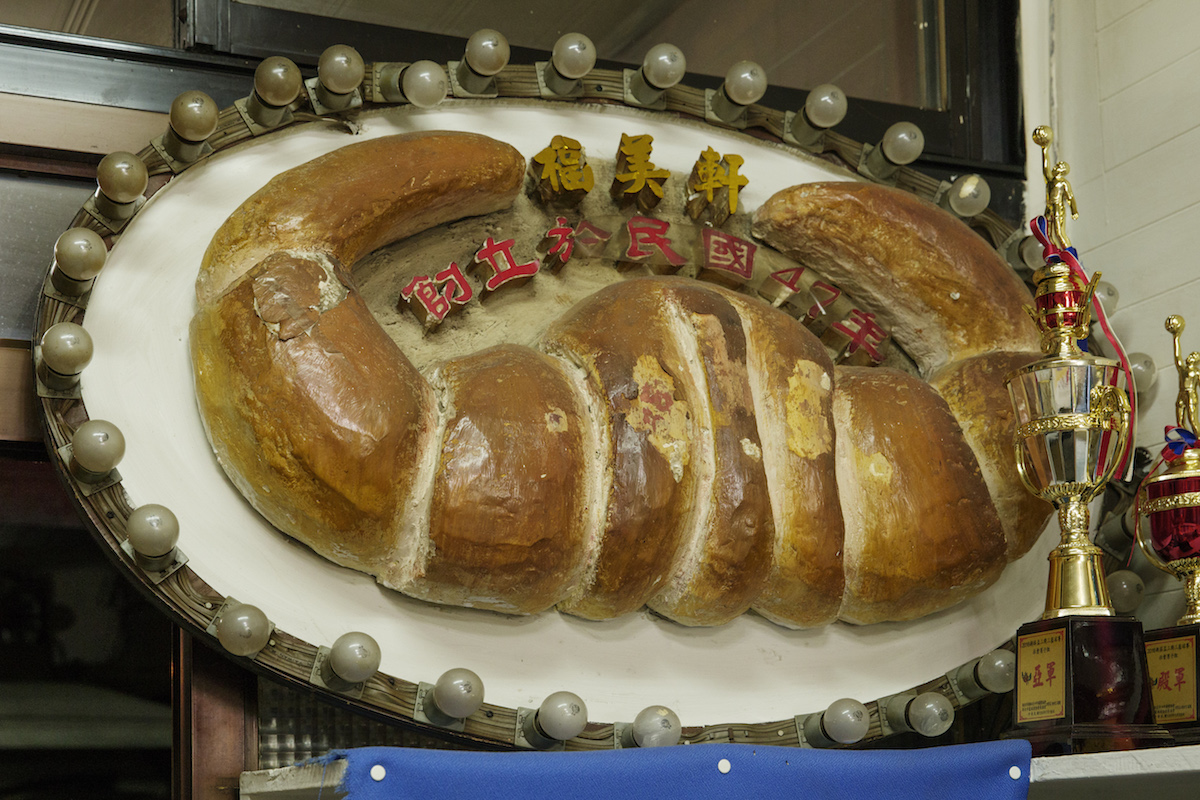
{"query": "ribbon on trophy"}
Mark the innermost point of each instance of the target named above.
(1053, 254)
(1176, 441)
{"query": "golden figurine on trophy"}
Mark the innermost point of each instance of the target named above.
(1081, 669)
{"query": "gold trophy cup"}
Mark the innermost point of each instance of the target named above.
(1081, 670)
(1171, 542)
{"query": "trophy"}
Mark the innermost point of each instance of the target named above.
(1171, 499)
(1081, 669)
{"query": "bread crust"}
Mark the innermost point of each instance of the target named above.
(921, 531)
(507, 523)
(791, 377)
(722, 570)
(923, 273)
(317, 417)
(622, 337)
(360, 197)
(972, 390)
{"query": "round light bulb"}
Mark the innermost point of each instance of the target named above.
(80, 253)
(487, 52)
(340, 69)
(969, 195)
(354, 657)
(574, 56)
(243, 629)
(1108, 296)
(997, 671)
(846, 721)
(1031, 253)
(152, 530)
(67, 348)
(193, 116)
(1126, 590)
(458, 693)
(277, 81)
(1144, 369)
(745, 83)
(98, 446)
(664, 66)
(656, 726)
(424, 83)
(562, 716)
(903, 143)
(825, 106)
(930, 714)
(122, 177)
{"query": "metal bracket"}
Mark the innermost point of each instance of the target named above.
(67, 452)
(156, 576)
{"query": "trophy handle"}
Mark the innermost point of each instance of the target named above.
(1111, 406)
(1022, 470)
(1148, 551)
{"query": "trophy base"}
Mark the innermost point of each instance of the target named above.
(1083, 687)
(1171, 660)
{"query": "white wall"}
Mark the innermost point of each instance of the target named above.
(1125, 106)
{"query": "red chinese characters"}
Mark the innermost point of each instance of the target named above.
(649, 245)
(558, 245)
(498, 257)
(432, 299)
(863, 332)
(726, 253)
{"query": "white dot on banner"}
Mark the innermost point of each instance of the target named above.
(378, 773)
(1015, 773)
(724, 766)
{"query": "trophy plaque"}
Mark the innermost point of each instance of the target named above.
(1082, 681)
(1171, 500)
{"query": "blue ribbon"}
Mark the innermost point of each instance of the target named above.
(1178, 440)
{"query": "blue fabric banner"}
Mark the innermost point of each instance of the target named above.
(988, 771)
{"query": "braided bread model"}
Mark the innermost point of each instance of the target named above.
(669, 443)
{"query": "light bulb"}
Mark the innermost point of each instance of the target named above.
(66, 348)
(458, 693)
(656, 726)
(122, 177)
(193, 116)
(424, 84)
(745, 83)
(846, 721)
(997, 671)
(825, 106)
(487, 52)
(930, 714)
(1031, 253)
(903, 143)
(574, 56)
(152, 530)
(969, 195)
(664, 66)
(1108, 296)
(354, 657)
(562, 716)
(1126, 590)
(98, 446)
(80, 253)
(340, 69)
(277, 81)
(1145, 371)
(243, 629)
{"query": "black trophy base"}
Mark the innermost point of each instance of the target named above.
(1171, 663)
(1082, 686)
